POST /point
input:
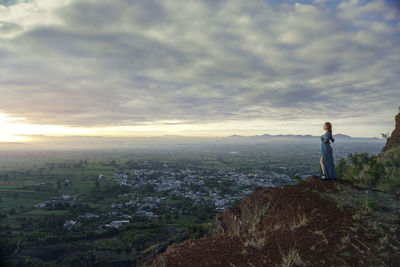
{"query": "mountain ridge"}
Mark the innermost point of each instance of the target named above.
(340, 136)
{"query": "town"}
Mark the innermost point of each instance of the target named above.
(152, 193)
(61, 207)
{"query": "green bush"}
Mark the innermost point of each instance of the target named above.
(197, 231)
(341, 167)
(380, 172)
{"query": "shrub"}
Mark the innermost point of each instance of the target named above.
(197, 231)
(381, 172)
(341, 167)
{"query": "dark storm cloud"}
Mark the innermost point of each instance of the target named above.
(125, 62)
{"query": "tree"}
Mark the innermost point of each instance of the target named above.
(385, 135)
(167, 216)
(298, 178)
(12, 211)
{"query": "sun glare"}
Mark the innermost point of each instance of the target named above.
(7, 133)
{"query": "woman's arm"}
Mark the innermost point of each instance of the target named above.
(325, 137)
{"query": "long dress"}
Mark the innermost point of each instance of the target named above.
(327, 156)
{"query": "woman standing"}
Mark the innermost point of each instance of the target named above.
(326, 160)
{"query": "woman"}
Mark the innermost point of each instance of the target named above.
(326, 161)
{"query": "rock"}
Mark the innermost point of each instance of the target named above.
(394, 139)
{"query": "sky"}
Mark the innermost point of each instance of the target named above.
(197, 68)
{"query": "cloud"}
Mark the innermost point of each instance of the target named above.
(135, 62)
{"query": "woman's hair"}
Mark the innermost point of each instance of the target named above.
(329, 128)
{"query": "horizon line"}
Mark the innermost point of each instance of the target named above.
(169, 135)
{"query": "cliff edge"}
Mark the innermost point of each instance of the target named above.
(312, 223)
(394, 139)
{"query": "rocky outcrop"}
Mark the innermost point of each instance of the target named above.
(394, 139)
(159, 248)
(313, 223)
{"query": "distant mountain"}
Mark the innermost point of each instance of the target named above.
(12, 145)
(341, 136)
(307, 136)
(166, 141)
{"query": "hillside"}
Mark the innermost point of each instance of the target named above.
(312, 223)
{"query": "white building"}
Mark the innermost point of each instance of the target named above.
(116, 224)
(69, 224)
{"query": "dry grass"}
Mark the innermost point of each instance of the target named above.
(254, 217)
(255, 241)
(345, 239)
(292, 258)
(249, 220)
(344, 242)
(244, 223)
(321, 233)
(236, 225)
(301, 222)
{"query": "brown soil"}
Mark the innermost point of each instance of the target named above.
(394, 139)
(270, 223)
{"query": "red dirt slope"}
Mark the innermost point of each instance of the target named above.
(295, 225)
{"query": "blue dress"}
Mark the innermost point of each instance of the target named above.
(327, 156)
